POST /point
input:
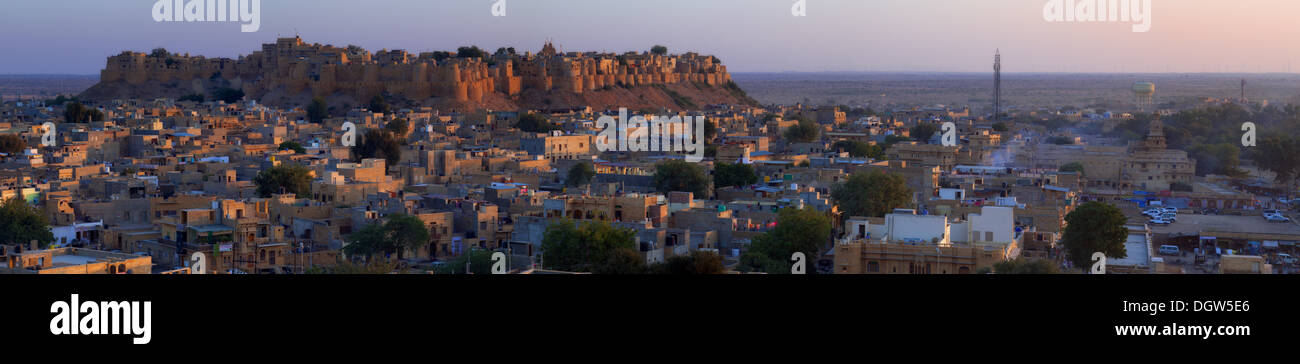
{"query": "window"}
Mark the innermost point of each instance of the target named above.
(873, 267)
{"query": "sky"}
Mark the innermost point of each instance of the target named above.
(1256, 36)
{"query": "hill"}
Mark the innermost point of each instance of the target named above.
(290, 72)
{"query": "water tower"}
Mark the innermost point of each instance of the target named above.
(1144, 94)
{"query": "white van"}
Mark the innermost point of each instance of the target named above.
(1169, 250)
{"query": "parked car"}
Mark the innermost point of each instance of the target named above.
(1169, 217)
(1160, 222)
(1169, 250)
(1286, 259)
(1277, 218)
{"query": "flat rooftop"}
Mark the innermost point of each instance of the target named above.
(71, 259)
(1191, 224)
(1136, 247)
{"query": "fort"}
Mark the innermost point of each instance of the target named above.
(291, 72)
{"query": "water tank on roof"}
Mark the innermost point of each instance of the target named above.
(1144, 88)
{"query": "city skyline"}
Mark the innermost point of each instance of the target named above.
(836, 36)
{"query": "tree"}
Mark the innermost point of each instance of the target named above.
(698, 262)
(294, 146)
(1026, 266)
(191, 98)
(659, 50)
(923, 131)
(60, 100)
(857, 112)
(1060, 140)
(1094, 227)
(470, 52)
(596, 247)
(21, 223)
(399, 127)
(1221, 159)
(858, 149)
(379, 105)
(406, 232)
(379, 143)
(400, 233)
(533, 123)
(348, 267)
(1280, 155)
(797, 230)
(1072, 167)
(872, 194)
(75, 112)
(477, 261)
(12, 144)
(677, 175)
(622, 261)
(289, 178)
(228, 95)
(160, 53)
(890, 140)
(734, 175)
(366, 241)
(318, 110)
(438, 56)
(710, 129)
(580, 174)
(1000, 127)
(806, 131)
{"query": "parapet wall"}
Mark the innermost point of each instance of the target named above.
(292, 66)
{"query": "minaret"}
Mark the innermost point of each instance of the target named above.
(997, 85)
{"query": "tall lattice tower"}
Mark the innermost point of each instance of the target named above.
(997, 85)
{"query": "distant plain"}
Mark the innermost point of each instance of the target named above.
(1111, 92)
